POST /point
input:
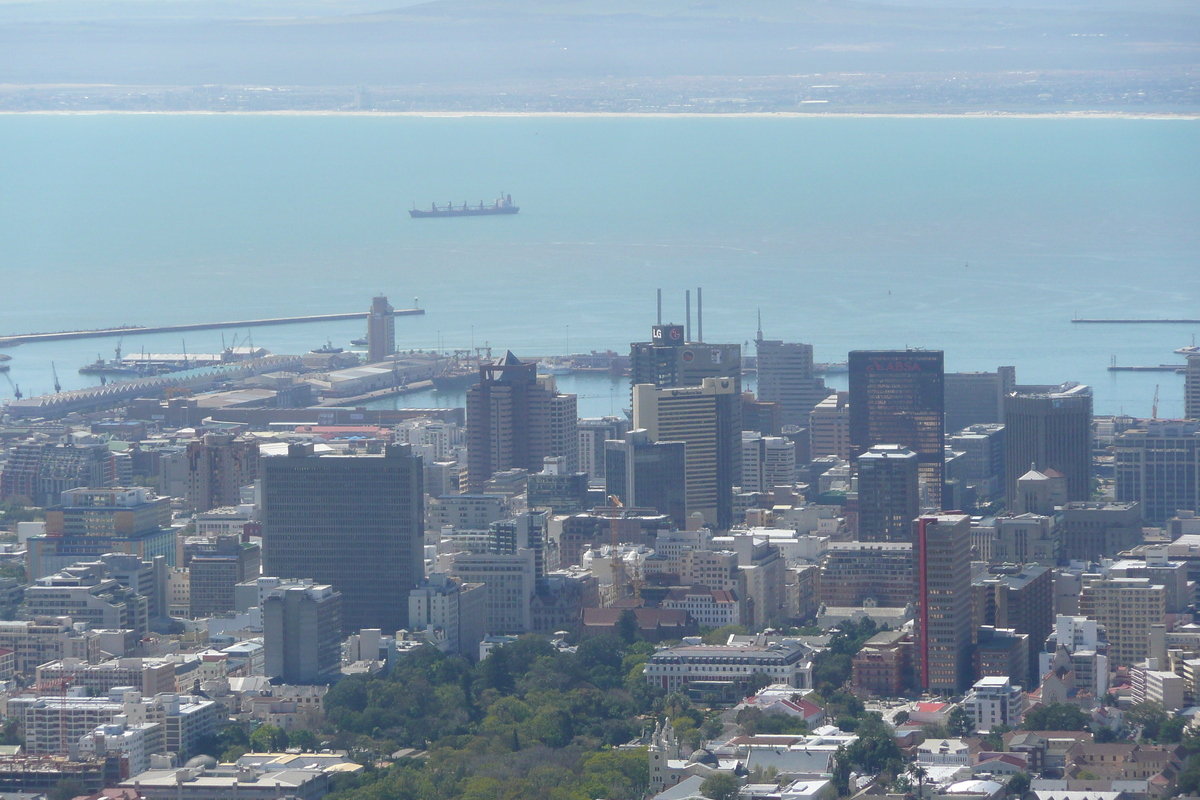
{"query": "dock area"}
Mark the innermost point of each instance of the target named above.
(54, 406)
(404, 388)
(1179, 368)
(133, 330)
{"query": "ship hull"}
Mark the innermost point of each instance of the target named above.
(416, 213)
(451, 383)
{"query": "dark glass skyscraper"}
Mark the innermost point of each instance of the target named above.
(1049, 427)
(354, 522)
(896, 397)
(647, 474)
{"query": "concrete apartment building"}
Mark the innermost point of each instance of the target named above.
(218, 466)
(854, 573)
(56, 724)
(1127, 608)
(87, 597)
(829, 427)
(302, 633)
(46, 639)
(150, 676)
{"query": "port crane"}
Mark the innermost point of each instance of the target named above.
(15, 387)
(54, 372)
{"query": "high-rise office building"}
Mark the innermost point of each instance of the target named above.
(888, 499)
(642, 473)
(1157, 465)
(381, 330)
(785, 376)
(829, 427)
(982, 446)
(767, 462)
(1049, 427)
(38, 472)
(669, 360)
(943, 572)
(302, 633)
(355, 522)
(556, 489)
(593, 433)
(515, 419)
(896, 397)
(218, 466)
(1020, 597)
(977, 398)
(703, 418)
(526, 531)
(1191, 388)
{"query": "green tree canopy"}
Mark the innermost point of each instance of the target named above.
(720, 786)
(1055, 717)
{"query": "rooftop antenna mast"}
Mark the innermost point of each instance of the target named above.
(760, 338)
(660, 306)
(699, 314)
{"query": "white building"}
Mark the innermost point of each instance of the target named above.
(453, 612)
(1084, 641)
(715, 608)
(943, 753)
(713, 667)
(509, 583)
(135, 742)
(994, 701)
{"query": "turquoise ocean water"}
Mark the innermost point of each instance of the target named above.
(979, 236)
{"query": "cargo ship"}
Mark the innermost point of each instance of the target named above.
(502, 205)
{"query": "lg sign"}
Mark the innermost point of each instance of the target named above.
(668, 334)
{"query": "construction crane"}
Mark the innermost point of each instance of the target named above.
(16, 389)
(1154, 408)
(614, 503)
(54, 371)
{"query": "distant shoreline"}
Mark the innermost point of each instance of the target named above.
(636, 114)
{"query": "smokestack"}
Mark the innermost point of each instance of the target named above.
(660, 306)
(699, 314)
(687, 299)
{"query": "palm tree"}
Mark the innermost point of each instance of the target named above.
(919, 772)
